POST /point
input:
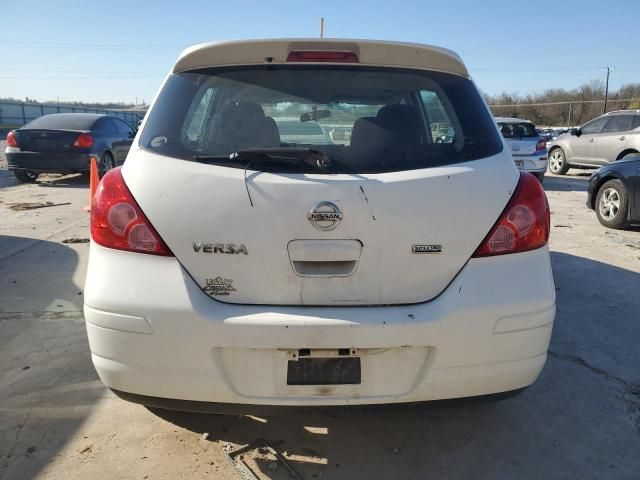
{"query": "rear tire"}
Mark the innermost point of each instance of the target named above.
(612, 204)
(106, 163)
(629, 155)
(26, 176)
(558, 162)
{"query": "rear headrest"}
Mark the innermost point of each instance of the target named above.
(242, 111)
(364, 132)
(403, 120)
(244, 125)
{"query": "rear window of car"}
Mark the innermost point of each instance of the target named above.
(63, 121)
(364, 119)
(518, 130)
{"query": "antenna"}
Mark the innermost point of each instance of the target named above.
(321, 27)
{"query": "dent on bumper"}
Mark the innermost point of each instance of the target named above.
(487, 332)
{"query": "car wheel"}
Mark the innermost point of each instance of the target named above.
(630, 154)
(557, 162)
(26, 176)
(612, 204)
(106, 163)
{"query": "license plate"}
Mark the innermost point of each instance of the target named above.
(519, 163)
(324, 371)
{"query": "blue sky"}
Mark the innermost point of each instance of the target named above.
(115, 50)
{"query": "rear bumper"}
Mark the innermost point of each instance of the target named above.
(154, 333)
(53, 162)
(536, 163)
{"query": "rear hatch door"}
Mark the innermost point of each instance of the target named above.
(402, 236)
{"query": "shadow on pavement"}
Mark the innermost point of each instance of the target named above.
(76, 180)
(47, 383)
(581, 419)
(566, 183)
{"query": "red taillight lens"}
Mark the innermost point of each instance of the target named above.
(84, 140)
(322, 56)
(541, 145)
(524, 223)
(11, 139)
(118, 222)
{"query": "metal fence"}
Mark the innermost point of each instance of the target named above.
(16, 114)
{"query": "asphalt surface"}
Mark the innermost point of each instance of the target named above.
(580, 420)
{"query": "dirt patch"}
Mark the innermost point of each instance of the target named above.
(19, 207)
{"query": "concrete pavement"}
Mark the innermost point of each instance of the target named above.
(581, 419)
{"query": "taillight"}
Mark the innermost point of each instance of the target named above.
(524, 223)
(84, 140)
(118, 222)
(322, 56)
(11, 139)
(541, 145)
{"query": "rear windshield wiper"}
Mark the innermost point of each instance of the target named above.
(289, 156)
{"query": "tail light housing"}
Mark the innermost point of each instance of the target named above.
(523, 225)
(11, 139)
(84, 140)
(322, 56)
(118, 222)
(541, 145)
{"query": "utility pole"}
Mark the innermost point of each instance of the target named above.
(606, 89)
(321, 27)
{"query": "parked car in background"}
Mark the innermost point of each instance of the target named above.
(550, 134)
(66, 142)
(528, 148)
(599, 142)
(232, 268)
(614, 192)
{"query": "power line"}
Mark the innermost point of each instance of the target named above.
(109, 77)
(87, 45)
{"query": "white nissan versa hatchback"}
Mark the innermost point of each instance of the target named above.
(231, 268)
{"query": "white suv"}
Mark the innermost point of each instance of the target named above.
(230, 268)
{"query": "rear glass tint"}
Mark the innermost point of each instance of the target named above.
(64, 121)
(518, 130)
(364, 119)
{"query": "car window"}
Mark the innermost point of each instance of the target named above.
(122, 126)
(636, 122)
(65, 121)
(436, 115)
(594, 126)
(618, 123)
(196, 117)
(366, 119)
(105, 125)
(518, 130)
